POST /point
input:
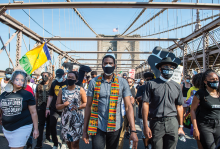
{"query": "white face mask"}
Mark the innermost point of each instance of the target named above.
(59, 79)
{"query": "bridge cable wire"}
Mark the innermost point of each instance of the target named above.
(81, 17)
(44, 29)
(162, 10)
(9, 38)
(140, 14)
(188, 24)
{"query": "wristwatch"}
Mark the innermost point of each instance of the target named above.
(181, 126)
(47, 108)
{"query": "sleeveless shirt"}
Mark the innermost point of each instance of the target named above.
(72, 121)
(185, 90)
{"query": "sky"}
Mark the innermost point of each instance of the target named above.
(65, 23)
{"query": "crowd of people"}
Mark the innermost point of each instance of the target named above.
(104, 107)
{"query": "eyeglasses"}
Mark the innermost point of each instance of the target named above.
(167, 67)
(130, 82)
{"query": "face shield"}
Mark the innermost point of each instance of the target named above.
(19, 77)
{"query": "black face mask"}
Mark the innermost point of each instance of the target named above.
(71, 82)
(213, 85)
(167, 73)
(108, 70)
(45, 78)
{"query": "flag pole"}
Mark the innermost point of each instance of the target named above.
(118, 29)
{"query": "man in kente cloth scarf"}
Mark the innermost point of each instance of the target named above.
(103, 118)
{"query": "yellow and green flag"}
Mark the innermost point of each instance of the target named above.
(34, 58)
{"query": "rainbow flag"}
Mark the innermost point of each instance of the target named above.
(35, 58)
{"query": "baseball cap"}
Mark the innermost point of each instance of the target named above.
(59, 73)
(124, 74)
(9, 70)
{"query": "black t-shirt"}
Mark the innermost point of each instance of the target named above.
(140, 92)
(54, 90)
(68, 66)
(209, 106)
(163, 97)
(15, 109)
(137, 87)
(185, 90)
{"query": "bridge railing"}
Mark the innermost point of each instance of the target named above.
(196, 45)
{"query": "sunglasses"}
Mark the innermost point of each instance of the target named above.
(130, 82)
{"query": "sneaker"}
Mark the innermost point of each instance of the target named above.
(64, 146)
(55, 147)
(46, 140)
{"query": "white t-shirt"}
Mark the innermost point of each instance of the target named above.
(33, 86)
(3, 84)
(123, 108)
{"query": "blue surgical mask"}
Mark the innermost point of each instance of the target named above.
(8, 76)
(188, 81)
(59, 79)
(213, 85)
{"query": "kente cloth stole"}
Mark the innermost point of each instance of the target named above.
(93, 122)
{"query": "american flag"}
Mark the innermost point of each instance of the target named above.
(115, 30)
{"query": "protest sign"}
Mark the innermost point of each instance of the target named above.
(177, 74)
(132, 73)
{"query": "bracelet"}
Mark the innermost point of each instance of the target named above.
(47, 108)
(133, 131)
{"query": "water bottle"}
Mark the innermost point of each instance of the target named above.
(191, 130)
(131, 144)
(149, 146)
(182, 137)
